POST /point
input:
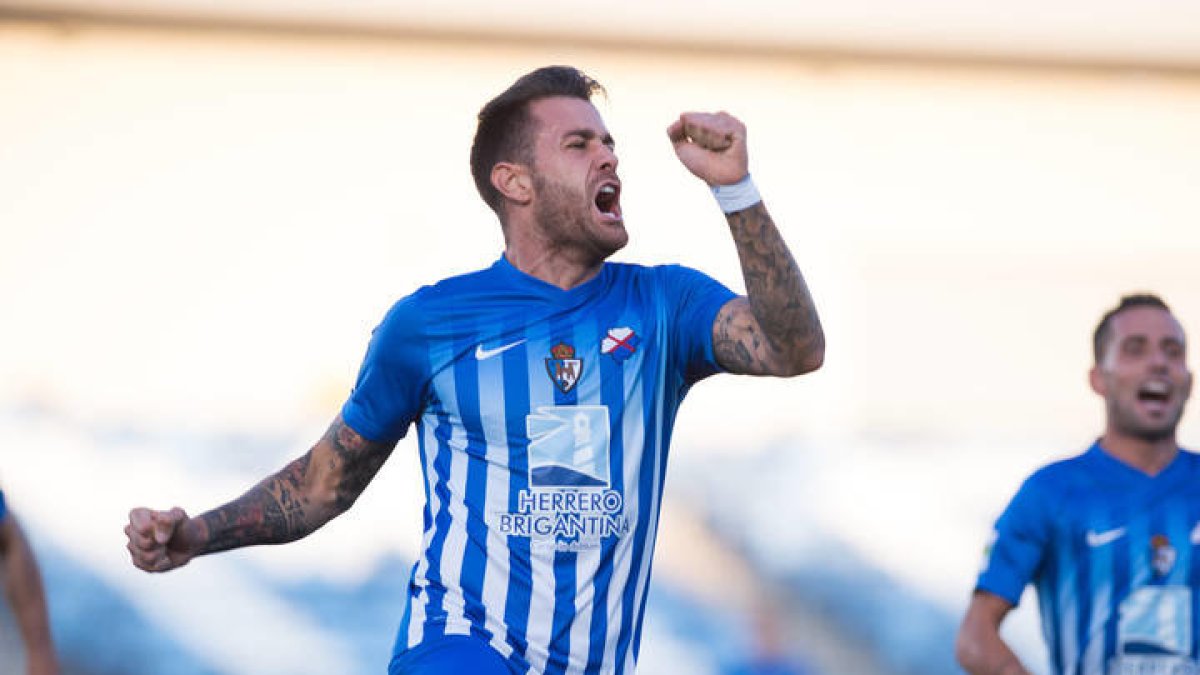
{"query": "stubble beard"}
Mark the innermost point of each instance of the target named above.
(1126, 422)
(565, 216)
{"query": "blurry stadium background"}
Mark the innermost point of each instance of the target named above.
(206, 205)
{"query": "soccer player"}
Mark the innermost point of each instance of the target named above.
(23, 587)
(543, 390)
(1108, 537)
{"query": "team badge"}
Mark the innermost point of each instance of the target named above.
(564, 369)
(620, 343)
(1162, 555)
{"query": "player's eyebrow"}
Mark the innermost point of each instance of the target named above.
(589, 134)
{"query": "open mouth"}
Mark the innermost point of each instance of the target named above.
(1154, 393)
(607, 200)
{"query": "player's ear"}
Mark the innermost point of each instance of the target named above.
(513, 181)
(1096, 379)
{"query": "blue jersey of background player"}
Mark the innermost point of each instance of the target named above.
(1108, 537)
(543, 390)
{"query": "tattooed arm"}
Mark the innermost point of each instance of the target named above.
(774, 329)
(293, 503)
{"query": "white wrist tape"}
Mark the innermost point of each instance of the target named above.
(740, 195)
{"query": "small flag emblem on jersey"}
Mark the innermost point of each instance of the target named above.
(563, 368)
(620, 343)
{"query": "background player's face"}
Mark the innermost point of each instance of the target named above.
(1143, 374)
(576, 188)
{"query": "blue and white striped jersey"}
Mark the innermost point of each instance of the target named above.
(1112, 552)
(543, 419)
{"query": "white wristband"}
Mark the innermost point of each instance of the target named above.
(740, 195)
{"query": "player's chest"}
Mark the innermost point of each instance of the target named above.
(1153, 539)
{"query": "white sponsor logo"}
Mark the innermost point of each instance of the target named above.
(1095, 539)
(570, 505)
(482, 354)
(1196, 533)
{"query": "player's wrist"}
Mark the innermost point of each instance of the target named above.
(737, 196)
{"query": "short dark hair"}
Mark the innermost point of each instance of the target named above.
(1104, 329)
(504, 129)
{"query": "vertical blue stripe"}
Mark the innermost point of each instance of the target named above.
(565, 561)
(520, 577)
(435, 611)
(474, 564)
(653, 388)
(612, 395)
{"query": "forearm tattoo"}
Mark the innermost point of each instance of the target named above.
(779, 304)
(295, 501)
(272, 512)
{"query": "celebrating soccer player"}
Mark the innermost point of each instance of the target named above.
(1108, 537)
(543, 390)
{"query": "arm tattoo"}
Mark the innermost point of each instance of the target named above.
(301, 497)
(775, 330)
(272, 512)
(356, 462)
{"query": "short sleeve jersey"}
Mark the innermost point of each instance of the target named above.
(1113, 555)
(543, 418)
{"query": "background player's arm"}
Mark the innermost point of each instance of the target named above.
(774, 329)
(23, 587)
(286, 506)
(980, 649)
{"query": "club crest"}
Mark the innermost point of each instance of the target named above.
(1162, 555)
(563, 368)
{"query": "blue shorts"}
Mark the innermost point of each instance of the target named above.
(450, 655)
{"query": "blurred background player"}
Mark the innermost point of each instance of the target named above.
(23, 588)
(1108, 537)
(544, 389)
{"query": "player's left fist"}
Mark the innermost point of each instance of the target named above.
(711, 145)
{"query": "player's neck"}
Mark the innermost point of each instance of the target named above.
(1149, 457)
(557, 266)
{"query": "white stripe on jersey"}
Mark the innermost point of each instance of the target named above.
(1101, 568)
(633, 438)
(587, 561)
(541, 601)
(496, 574)
(454, 546)
(1069, 611)
(416, 625)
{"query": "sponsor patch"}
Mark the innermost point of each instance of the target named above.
(620, 343)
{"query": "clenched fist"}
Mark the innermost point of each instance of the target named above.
(161, 540)
(711, 145)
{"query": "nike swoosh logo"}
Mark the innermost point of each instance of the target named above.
(482, 354)
(1095, 539)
